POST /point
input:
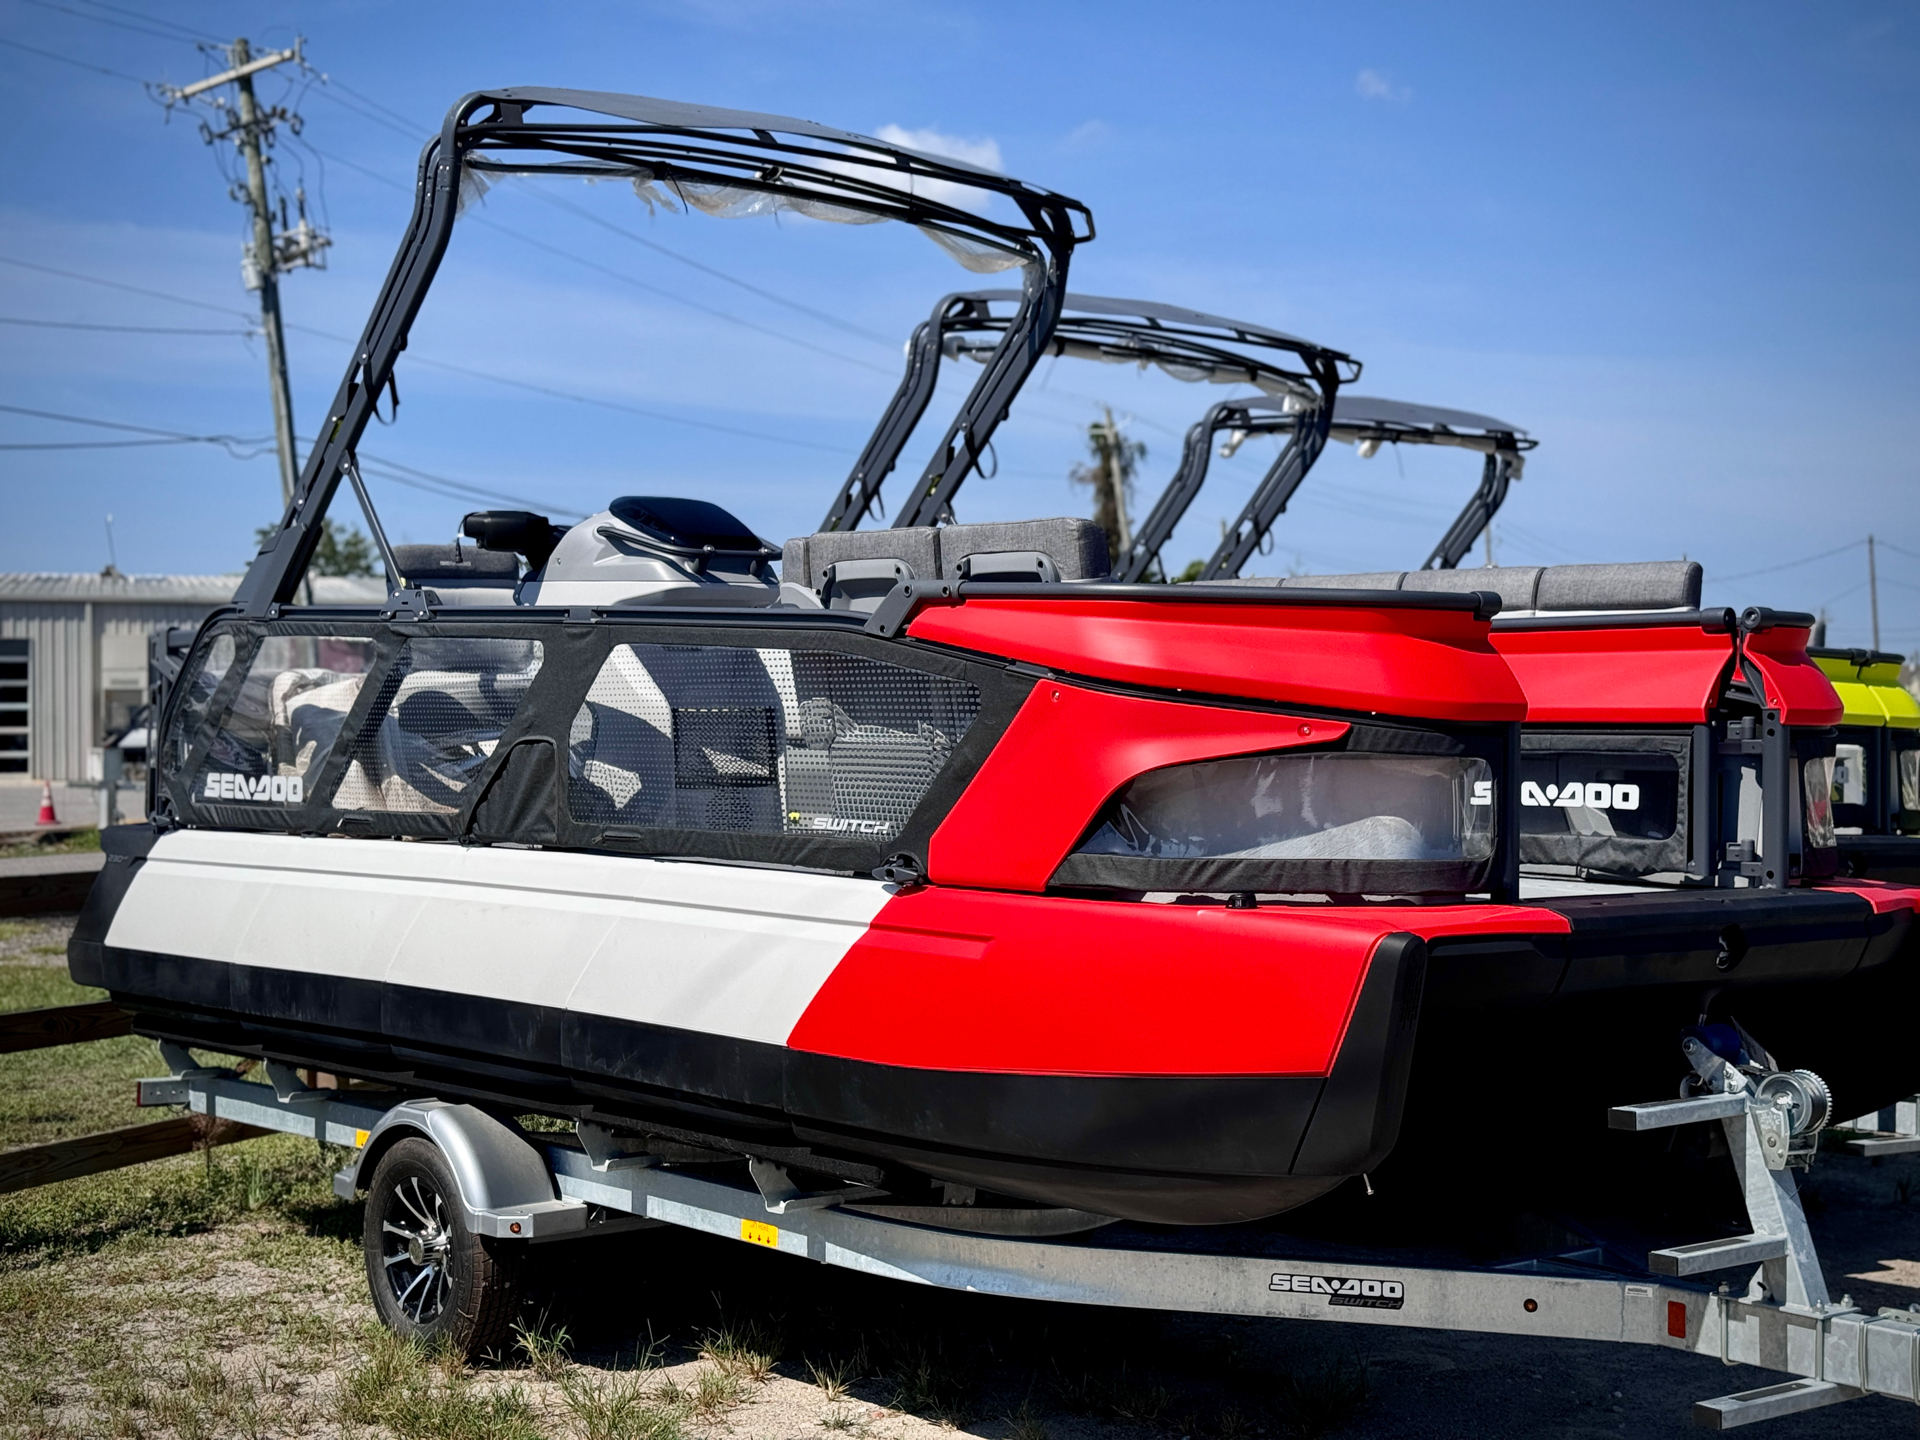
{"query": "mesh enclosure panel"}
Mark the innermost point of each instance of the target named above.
(440, 712)
(282, 720)
(714, 737)
(1615, 804)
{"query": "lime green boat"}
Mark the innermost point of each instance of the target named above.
(1876, 772)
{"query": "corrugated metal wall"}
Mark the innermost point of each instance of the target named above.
(68, 639)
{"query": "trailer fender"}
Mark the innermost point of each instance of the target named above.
(505, 1187)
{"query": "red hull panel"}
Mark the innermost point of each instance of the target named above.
(1427, 664)
(1794, 685)
(1645, 676)
(1067, 751)
(974, 981)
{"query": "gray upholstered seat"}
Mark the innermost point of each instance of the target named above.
(854, 569)
(1370, 580)
(1645, 585)
(1523, 589)
(1010, 550)
(1516, 585)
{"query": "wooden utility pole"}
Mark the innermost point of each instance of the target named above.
(264, 271)
(266, 254)
(1114, 460)
(1119, 472)
(1873, 592)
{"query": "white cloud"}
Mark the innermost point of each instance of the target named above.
(1086, 135)
(984, 153)
(1371, 84)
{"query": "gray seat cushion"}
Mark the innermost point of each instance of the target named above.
(1077, 548)
(1514, 584)
(805, 560)
(1647, 585)
(1370, 580)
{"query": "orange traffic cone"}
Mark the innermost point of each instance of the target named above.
(47, 817)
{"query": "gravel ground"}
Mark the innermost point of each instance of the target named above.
(197, 1298)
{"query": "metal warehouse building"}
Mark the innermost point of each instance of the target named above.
(73, 656)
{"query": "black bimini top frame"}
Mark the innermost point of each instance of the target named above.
(718, 161)
(1368, 422)
(1187, 343)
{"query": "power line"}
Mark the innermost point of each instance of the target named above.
(131, 289)
(400, 474)
(821, 315)
(166, 437)
(629, 409)
(185, 32)
(117, 24)
(1774, 569)
(69, 60)
(443, 364)
(638, 284)
(120, 329)
(442, 485)
(396, 119)
(135, 444)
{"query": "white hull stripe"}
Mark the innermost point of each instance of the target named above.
(727, 949)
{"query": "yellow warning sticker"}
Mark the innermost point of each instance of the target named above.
(359, 1139)
(758, 1232)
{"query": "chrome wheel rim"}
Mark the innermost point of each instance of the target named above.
(414, 1247)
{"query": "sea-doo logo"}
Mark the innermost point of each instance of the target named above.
(1575, 796)
(840, 825)
(1366, 1294)
(260, 789)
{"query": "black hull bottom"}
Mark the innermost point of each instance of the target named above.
(1894, 858)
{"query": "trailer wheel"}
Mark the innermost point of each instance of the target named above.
(433, 1280)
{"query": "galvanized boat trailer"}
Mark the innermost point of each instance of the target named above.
(539, 1188)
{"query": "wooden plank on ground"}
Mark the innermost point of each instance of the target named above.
(62, 1025)
(31, 1165)
(45, 884)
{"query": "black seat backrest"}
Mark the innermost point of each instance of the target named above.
(444, 565)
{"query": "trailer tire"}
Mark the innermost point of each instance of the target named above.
(433, 1279)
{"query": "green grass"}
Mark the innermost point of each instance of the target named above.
(67, 1090)
(413, 1395)
(74, 842)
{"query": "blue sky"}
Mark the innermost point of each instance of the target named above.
(1675, 243)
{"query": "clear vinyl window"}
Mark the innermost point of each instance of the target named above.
(441, 711)
(1816, 800)
(1323, 806)
(771, 742)
(283, 719)
(201, 684)
(1906, 776)
(1849, 774)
